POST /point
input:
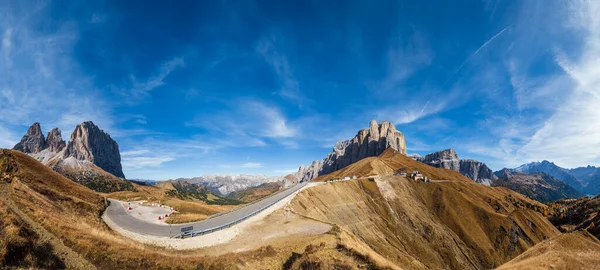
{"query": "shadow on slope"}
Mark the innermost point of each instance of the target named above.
(416, 225)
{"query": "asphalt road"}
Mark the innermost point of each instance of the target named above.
(117, 213)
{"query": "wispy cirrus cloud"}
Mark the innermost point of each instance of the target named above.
(245, 122)
(41, 81)
(140, 89)
(571, 137)
(267, 48)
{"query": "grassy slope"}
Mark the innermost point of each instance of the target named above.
(255, 193)
(70, 213)
(458, 225)
(576, 250)
(390, 162)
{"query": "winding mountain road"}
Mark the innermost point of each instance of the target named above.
(116, 213)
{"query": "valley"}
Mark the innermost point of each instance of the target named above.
(385, 210)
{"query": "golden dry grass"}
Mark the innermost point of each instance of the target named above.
(416, 225)
(72, 212)
(576, 250)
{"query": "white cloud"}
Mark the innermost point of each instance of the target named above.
(41, 82)
(290, 87)
(141, 162)
(135, 152)
(288, 171)
(141, 89)
(244, 123)
(252, 165)
(556, 114)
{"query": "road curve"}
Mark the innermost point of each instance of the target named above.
(118, 215)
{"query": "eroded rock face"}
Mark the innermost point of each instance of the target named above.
(33, 141)
(447, 159)
(477, 171)
(54, 141)
(368, 142)
(90, 143)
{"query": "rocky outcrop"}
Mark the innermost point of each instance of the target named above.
(54, 141)
(477, 171)
(446, 159)
(33, 141)
(90, 143)
(368, 142)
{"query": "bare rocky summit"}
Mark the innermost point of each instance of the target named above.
(448, 159)
(91, 157)
(33, 141)
(477, 171)
(368, 142)
(54, 141)
(90, 143)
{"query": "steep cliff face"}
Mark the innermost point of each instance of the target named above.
(33, 141)
(447, 159)
(54, 141)
(477, 171)
(91, 157)
(368, 142)
(90, 143)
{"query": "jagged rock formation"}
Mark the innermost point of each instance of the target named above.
(448, 159)
(90, 143)
(54, 141)
(91, 157)
(477, 171)
(539, 186)
(368, 142)
(33, 141)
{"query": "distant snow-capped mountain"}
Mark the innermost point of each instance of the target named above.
(224, 184)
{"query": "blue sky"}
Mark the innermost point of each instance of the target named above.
(194, 87)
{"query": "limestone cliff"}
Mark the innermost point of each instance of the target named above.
(368, 142)
(33, 141)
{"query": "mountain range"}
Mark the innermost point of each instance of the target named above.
(90, 157)
(225, 184)
(585, 179)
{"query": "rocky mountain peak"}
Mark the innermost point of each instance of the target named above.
(33, 141)
(54, 141)
(504, 174)
(447, 159)
(90, 143)
(368, 142)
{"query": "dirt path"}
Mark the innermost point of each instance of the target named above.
(71, 258)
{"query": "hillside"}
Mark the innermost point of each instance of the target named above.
(48, 221)
(390, 162)
(256, 193)
(539, 186)
(440, 225)
(577, 214)
(577, 250)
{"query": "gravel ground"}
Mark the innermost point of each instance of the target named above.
(148, 213)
